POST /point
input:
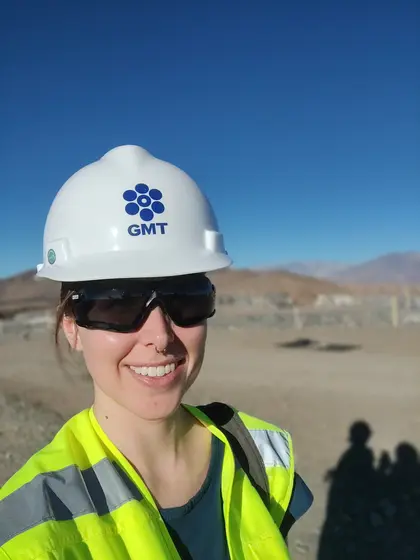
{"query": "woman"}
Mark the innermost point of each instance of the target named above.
(140, 475)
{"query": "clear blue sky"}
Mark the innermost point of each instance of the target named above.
(300, 120)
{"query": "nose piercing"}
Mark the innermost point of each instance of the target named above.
(169, 338)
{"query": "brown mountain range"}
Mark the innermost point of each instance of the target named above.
(23, 293)
(391, 268)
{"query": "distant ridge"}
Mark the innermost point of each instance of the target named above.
(391, 268)
(387, 274)
(22, 292)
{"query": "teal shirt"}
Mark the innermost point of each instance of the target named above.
(198, 527)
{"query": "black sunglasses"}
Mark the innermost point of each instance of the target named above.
(123, 306)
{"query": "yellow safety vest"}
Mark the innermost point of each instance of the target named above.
(79, 498)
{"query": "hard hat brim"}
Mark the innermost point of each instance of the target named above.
(133, 265)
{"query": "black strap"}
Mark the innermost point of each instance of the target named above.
(242, 444)
(288, 519)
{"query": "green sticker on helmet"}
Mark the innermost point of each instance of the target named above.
(51, 256)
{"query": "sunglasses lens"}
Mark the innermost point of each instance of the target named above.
(111, 314)
(187, 310)
(122, 310)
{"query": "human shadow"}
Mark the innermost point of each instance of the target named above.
(373, 507)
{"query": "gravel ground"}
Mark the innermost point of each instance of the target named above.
(24, 428)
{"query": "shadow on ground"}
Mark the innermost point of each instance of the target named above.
(373, 508)
(309, 343)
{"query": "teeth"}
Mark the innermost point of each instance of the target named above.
(151, 371)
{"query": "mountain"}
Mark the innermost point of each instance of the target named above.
(392, 268)
(303, 281)
(317, 269)
(23, 293)
(302, 289)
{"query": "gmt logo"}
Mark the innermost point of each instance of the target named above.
(147, 204)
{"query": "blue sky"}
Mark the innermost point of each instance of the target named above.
(300, 120)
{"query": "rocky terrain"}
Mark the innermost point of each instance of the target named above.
(24, 428)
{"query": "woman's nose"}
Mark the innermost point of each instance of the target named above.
(156, 330)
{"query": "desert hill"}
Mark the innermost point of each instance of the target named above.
(22, 292)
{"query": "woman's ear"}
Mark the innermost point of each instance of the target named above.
(72, 334)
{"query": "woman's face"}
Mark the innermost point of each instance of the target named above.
(146, 372)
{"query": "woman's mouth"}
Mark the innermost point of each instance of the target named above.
(157, 371)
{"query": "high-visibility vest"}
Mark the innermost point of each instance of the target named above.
(79, 498)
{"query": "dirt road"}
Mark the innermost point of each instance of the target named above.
(316, 394)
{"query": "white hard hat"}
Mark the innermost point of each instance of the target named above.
(130, 215)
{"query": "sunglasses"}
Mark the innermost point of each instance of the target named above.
(123, 306)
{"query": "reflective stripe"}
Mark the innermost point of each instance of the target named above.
(273, 447)
(65, 494)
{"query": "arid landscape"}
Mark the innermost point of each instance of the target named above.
(349, 397)
(163, 138)
(302, 282)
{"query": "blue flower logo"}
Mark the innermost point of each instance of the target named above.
(143, 201)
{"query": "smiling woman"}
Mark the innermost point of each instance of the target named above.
(140, 475)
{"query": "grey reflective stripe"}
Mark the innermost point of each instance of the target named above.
(273, 447)
(64, 495)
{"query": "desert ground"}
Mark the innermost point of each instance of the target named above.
(368, 510)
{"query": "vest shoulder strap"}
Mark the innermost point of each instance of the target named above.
(243, 446)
